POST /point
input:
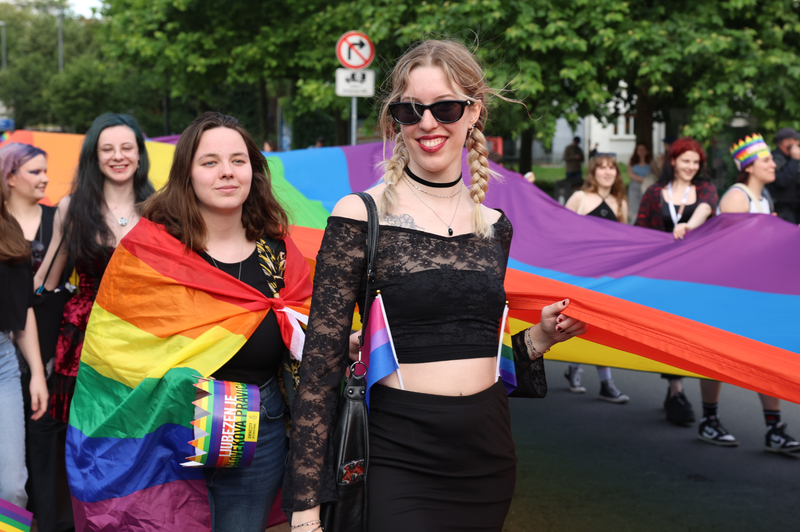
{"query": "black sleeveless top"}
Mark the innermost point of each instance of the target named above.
(603, 211)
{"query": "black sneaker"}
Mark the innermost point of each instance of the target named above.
(573, 376)
(679, 409)
(777, 441)
(610, 393)
(712, 431)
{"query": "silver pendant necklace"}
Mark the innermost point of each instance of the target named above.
(449, 225)
(217, 267)
(125, 220)
(239, 278)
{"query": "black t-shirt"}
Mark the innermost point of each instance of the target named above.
(259, 359)
(16, 295)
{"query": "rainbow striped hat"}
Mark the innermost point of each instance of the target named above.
(746, 151)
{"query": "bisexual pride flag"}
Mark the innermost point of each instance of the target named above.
(378, 352)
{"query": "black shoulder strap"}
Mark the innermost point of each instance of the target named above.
(766, 194)
(372, 252)
(49, 268)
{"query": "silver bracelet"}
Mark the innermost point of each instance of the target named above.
(315, 522)
(532, 351)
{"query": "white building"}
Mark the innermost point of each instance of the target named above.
(617, 137)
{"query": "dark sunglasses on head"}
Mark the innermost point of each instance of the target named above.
(446, 111)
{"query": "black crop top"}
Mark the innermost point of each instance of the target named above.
(259, 358)
(444, 299)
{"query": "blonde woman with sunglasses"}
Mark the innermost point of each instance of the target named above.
(441, 452)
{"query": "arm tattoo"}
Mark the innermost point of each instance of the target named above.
(400, 220)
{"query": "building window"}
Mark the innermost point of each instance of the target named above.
(629, 125)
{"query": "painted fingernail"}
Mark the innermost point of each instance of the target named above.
(560, 319)
(564, 302)
(559, 329)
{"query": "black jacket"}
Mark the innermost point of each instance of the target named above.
(786, 187)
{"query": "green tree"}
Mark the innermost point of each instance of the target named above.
(32, 48)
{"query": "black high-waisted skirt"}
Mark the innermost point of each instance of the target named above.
(440, 463)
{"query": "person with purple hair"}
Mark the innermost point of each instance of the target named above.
(17, 334)
(24, 171)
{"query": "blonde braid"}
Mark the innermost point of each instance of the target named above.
(393, 171)
(479, 170)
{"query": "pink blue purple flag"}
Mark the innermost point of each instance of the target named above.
(378, 352)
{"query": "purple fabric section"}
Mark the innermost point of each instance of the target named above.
(379, 337)
(179, 506)
(362, 161)
(509, 380)
(745, 251)
(750, 252)
(169, 139)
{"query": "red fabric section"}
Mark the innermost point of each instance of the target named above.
(661, 336)
(180, 506)
(151, 244)
(276, 515)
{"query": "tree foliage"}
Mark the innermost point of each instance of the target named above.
(710, 61)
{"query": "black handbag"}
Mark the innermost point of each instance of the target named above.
(49, 310)
(531, 380)
(350, 436)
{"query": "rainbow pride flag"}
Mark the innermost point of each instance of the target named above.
(505, 356)
(162, 317)
(378, 352)
(13, 518)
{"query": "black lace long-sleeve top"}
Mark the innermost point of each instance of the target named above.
(444, 299)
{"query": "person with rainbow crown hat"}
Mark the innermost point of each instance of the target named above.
(748, 195)
(756, 169)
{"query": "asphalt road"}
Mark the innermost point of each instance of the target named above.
(588, 465)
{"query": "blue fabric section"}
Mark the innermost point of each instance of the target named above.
(105, 468)
(320, 173)
(381, 364)
(507, 371)
(743, 312)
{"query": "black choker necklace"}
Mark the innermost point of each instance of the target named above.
(432, 185)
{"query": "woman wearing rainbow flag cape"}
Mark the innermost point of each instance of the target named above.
(441, 455)
(749, 195)
(201, 288)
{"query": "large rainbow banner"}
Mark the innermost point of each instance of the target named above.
(723, 303)
(702, 306)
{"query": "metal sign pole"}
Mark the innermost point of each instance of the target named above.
(3, 38)
(354, 121)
